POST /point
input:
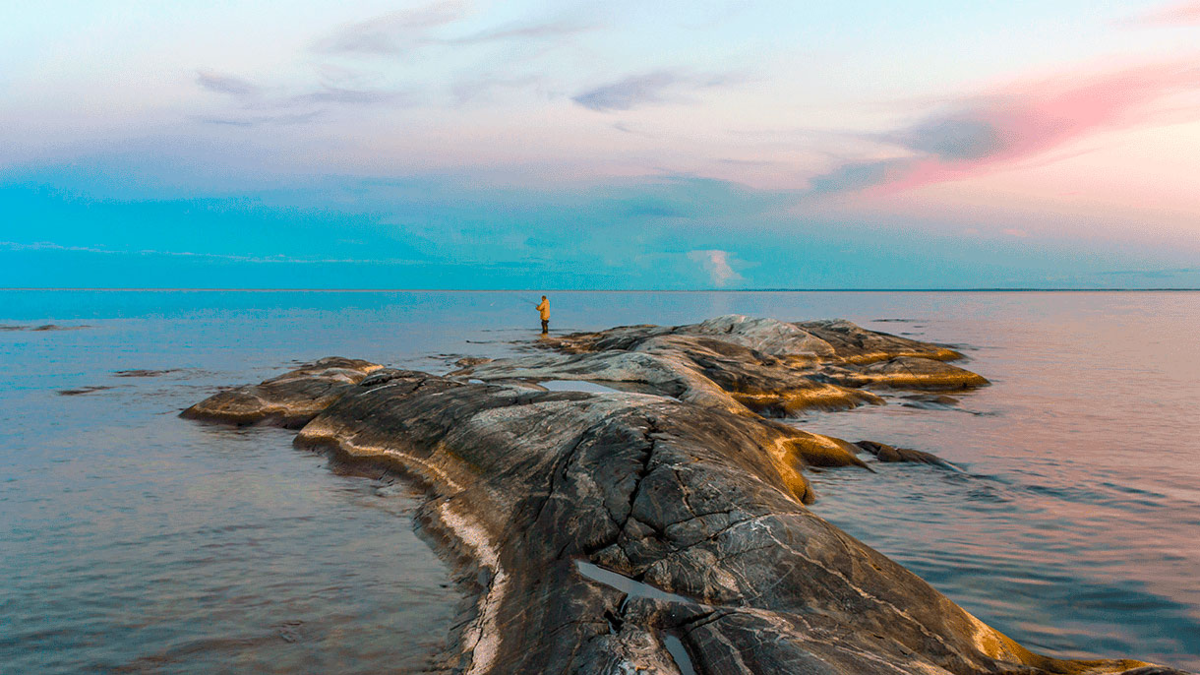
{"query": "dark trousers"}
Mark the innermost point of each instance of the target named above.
(545, 326)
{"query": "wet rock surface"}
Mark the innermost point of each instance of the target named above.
(624, 532)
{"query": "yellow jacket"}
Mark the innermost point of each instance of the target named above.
(544, 308)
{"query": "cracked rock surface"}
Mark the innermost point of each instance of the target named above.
(626, 532)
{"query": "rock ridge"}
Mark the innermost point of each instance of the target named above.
(659, 529)
(742, 364)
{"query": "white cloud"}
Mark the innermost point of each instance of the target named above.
(715, 263)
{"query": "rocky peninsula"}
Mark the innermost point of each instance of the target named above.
(662, 526)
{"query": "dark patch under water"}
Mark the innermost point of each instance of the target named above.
(43, 328)
(144, 372)
(89, 389)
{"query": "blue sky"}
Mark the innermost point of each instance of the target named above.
(599, 145)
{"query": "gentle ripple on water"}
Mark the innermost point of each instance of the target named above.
(133, 541)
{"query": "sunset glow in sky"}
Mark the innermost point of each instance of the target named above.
(612, 144)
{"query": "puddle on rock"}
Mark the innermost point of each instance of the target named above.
(578, 385)
(631, 587)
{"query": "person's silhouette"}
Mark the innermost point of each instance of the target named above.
(544, 309)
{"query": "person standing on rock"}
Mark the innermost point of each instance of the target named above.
(544, 309)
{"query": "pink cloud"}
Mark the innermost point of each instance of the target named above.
(1018, 123)
(1179, 14)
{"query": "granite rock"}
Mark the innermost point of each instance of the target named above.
(743, 365)
(290, 400)
(661, 529)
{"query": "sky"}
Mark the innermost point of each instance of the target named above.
(709, 144)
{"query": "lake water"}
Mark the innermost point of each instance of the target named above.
(134, 541)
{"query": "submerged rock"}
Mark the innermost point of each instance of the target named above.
(887, 453)
(44, 328)
(55, 327)
(141, 372)
(83, 390)
(929, 401)
(625, 532)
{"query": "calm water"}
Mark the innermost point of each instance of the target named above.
(133, 541)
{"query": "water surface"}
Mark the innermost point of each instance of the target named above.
(133, 541)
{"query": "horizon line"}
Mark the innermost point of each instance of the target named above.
(982, 289)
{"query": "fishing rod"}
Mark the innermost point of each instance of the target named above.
(523, 300)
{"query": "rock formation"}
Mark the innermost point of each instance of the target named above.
(290, 400)
(743, 365)
(625, 532)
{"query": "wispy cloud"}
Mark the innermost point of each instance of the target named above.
(394, 32)
(221, 83)
(259, 105)
(531, 31)
(245, 120)
(715, 263)
(1178, 14)
(482, 86)
(1152, 273)
(976, 135)
(331, 94)
(648, 89)
(401, 32)
(51, 246)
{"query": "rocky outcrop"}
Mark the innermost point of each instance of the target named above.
(857, 345)
(743, 365)
(290, 400)
(909, 372)
(625, 532)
